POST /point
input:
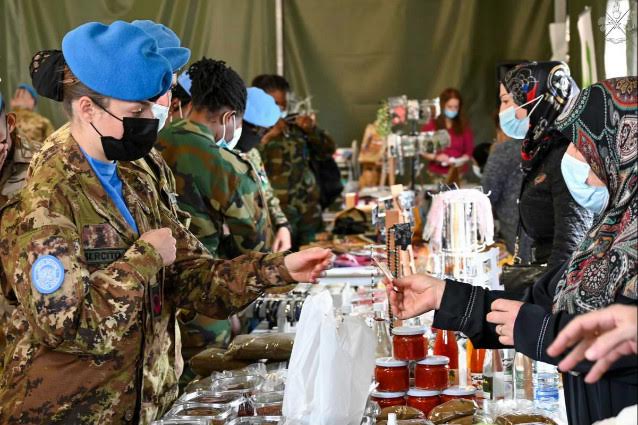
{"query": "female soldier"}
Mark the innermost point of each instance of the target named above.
(94, 250)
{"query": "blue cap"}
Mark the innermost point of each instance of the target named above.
(184, 80)
(118, 60)
(261, 109)
(30, 89)
(168, 42)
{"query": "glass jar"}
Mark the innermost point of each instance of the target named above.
(457, 393)
(445, 345)
(424, 400)
(409, 343)
(432, 373)
(392, 375)
(388, 399)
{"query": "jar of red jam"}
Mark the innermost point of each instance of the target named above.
(409, 343)
(455, 393)
(424, 400)
(432, 373)
(388, 399)
(392, 375)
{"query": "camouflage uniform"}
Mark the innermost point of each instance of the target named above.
(220, 190)
(12, 178)
(103, 348)
(287, 163)
(33, 126)
(277, 216)
(14, 171)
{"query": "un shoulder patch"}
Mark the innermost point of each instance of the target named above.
(47, 274)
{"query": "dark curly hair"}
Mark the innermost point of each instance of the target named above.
(215, 85)
(271, 82)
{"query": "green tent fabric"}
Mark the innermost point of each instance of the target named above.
(347, 54)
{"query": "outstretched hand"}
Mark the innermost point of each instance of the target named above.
(413, 295)
(602, 336)
(308, 265)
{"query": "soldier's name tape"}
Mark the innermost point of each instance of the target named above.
(96, 256)
(47, 274)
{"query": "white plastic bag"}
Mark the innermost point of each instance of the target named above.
(330, 368)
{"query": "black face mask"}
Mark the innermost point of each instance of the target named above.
(248, 140)
(140, 134)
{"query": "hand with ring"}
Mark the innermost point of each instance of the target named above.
(503, 315)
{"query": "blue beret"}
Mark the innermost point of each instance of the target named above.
(261, 109)
(30, 89)
(118, 60)
(184, 80)
(168, 42)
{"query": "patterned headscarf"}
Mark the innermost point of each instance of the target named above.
(603, 124)
(553, 83)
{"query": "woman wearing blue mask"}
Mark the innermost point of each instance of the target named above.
(600, 169)
(532, 96)
(453, 120)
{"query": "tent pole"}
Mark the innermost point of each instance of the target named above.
(279, 28)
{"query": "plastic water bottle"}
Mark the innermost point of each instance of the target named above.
(546, 387)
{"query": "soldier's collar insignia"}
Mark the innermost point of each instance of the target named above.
(47, 274)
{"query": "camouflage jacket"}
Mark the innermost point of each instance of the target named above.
(33, 126)
(221, 191)
(14, 170)
(287, 163)
(103, 348)
(12, 177)
(277, 216)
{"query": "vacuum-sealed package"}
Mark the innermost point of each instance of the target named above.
(523, 418)
(402, 412)
(213, 360)
(453, 409)
(272, 346)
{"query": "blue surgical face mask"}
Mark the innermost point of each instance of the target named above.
(512, 126)
(575, 173)
(450, 114)
(230, 144)
(161, 113)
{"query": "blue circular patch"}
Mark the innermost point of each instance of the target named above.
(47, 274)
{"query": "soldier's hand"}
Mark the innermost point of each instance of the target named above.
(306, 123)
(309, 264)
(163, 242)
(275, 131)
(283, 240)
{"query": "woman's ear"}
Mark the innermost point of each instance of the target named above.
(11, 122)
(85, 109)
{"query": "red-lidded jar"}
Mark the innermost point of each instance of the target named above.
(388, 399)
(432, 373)
(424, 400)
(409, 343)
(392, 375)
(456, 393)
